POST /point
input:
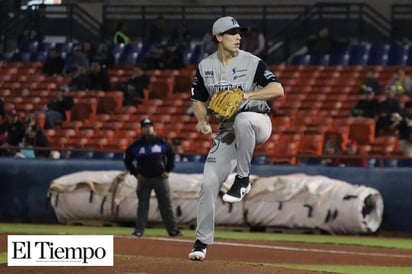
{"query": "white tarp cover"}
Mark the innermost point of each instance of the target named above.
(291, 201)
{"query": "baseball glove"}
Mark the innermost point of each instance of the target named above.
(226, 102)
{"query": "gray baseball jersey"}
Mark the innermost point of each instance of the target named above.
(236, 140)
(245, 71)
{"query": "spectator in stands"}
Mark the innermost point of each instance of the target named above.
(180, 35)
(120, 35)
(324, 43)
(98, 78)
(370, 82)
(75, 60)
(209, 44)
(80, 79)
(255, 42)
(54, 63)
(403, 123)
(330, 148)
(401, 82)
(387, 108)
(353, 156)
(151, 158)
(12, 130)
(134, 88)
(35, 137)
(103, 56)
(156, 33)
(367, 106)
(172, 57)
(88, 49)
(321, 43)
(57, 107)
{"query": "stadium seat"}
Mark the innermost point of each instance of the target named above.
(284, 153)
(161, 88)
(310, 145)
(362, 130)
(45, 46)
(339, 59)
(64, 47)
(319, 60)
(397, 55)
(301, 59)
(133, 47)
(128, 58)
(358, 54)
(378, 54)
(40, 56)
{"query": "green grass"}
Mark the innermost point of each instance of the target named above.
(3, 257)
(371, 241)
(349, 269)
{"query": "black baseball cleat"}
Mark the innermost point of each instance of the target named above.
(198, 252)
(137, 234)
(176, 233)
(239, 189)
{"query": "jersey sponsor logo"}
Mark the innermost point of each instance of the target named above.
(209, 73)
(238, 76)
(225, 85)
(234, 70)
(211, 160)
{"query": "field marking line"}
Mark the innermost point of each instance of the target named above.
(275, 247)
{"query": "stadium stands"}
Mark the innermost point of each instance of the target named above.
(320, 92)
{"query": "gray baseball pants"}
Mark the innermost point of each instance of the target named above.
(232, 147)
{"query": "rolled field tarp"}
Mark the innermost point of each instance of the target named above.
(289, 201)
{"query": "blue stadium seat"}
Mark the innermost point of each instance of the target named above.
(24, 57)
(301, 59)
(45, 46)
(378, 55)
(65, 47)
(319, 60)
(133, 47)
(29, 46)
(143, 53)
(397, 55)
(196, 54)
(40, 56)
(358, 54)
(116, 48)
(409, 57)
(339, 59)
(128, 57)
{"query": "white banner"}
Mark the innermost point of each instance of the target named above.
(60, 250)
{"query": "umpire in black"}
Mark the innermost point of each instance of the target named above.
(150, 158)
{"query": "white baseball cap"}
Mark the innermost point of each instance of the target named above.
(224, 24)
